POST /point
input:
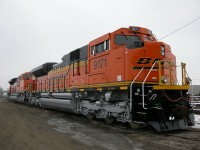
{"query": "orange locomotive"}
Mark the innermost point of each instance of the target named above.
(20, 86)
(126, 75)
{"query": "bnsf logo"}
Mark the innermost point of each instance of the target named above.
(147, 60)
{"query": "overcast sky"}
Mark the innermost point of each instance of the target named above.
(33, 32)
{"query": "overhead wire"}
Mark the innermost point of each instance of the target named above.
(180, 28)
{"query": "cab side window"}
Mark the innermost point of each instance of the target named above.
(101, 47)
(106, 45)
(93, 50)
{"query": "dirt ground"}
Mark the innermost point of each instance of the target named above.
(29, 128)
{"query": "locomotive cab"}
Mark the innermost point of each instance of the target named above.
(155, 94)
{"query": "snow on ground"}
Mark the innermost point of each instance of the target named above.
(197, 121)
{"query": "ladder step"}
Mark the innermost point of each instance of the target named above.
(140, 122)
(142, 104)
(144, 95)
(142, 113)
(150, 86)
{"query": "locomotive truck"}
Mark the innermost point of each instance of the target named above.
(126, 75)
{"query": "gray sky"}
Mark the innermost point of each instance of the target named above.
(33, 32)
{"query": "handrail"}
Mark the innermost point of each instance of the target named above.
(131, 94)
(160, 83)
(144, 82)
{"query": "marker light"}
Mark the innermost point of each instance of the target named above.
(162, 50)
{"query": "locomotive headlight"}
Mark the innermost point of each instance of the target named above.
(164, 79)
(162, 50)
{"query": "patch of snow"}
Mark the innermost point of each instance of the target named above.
(197, 121)
(64, 126)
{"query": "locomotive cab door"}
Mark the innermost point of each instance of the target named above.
(99, 64)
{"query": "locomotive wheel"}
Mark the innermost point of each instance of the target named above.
(90, 116)
(109, 120)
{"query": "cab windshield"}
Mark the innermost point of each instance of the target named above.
(131, 41)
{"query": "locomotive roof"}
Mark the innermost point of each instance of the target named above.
(55, 66)
(12, 81)
(42, 69)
